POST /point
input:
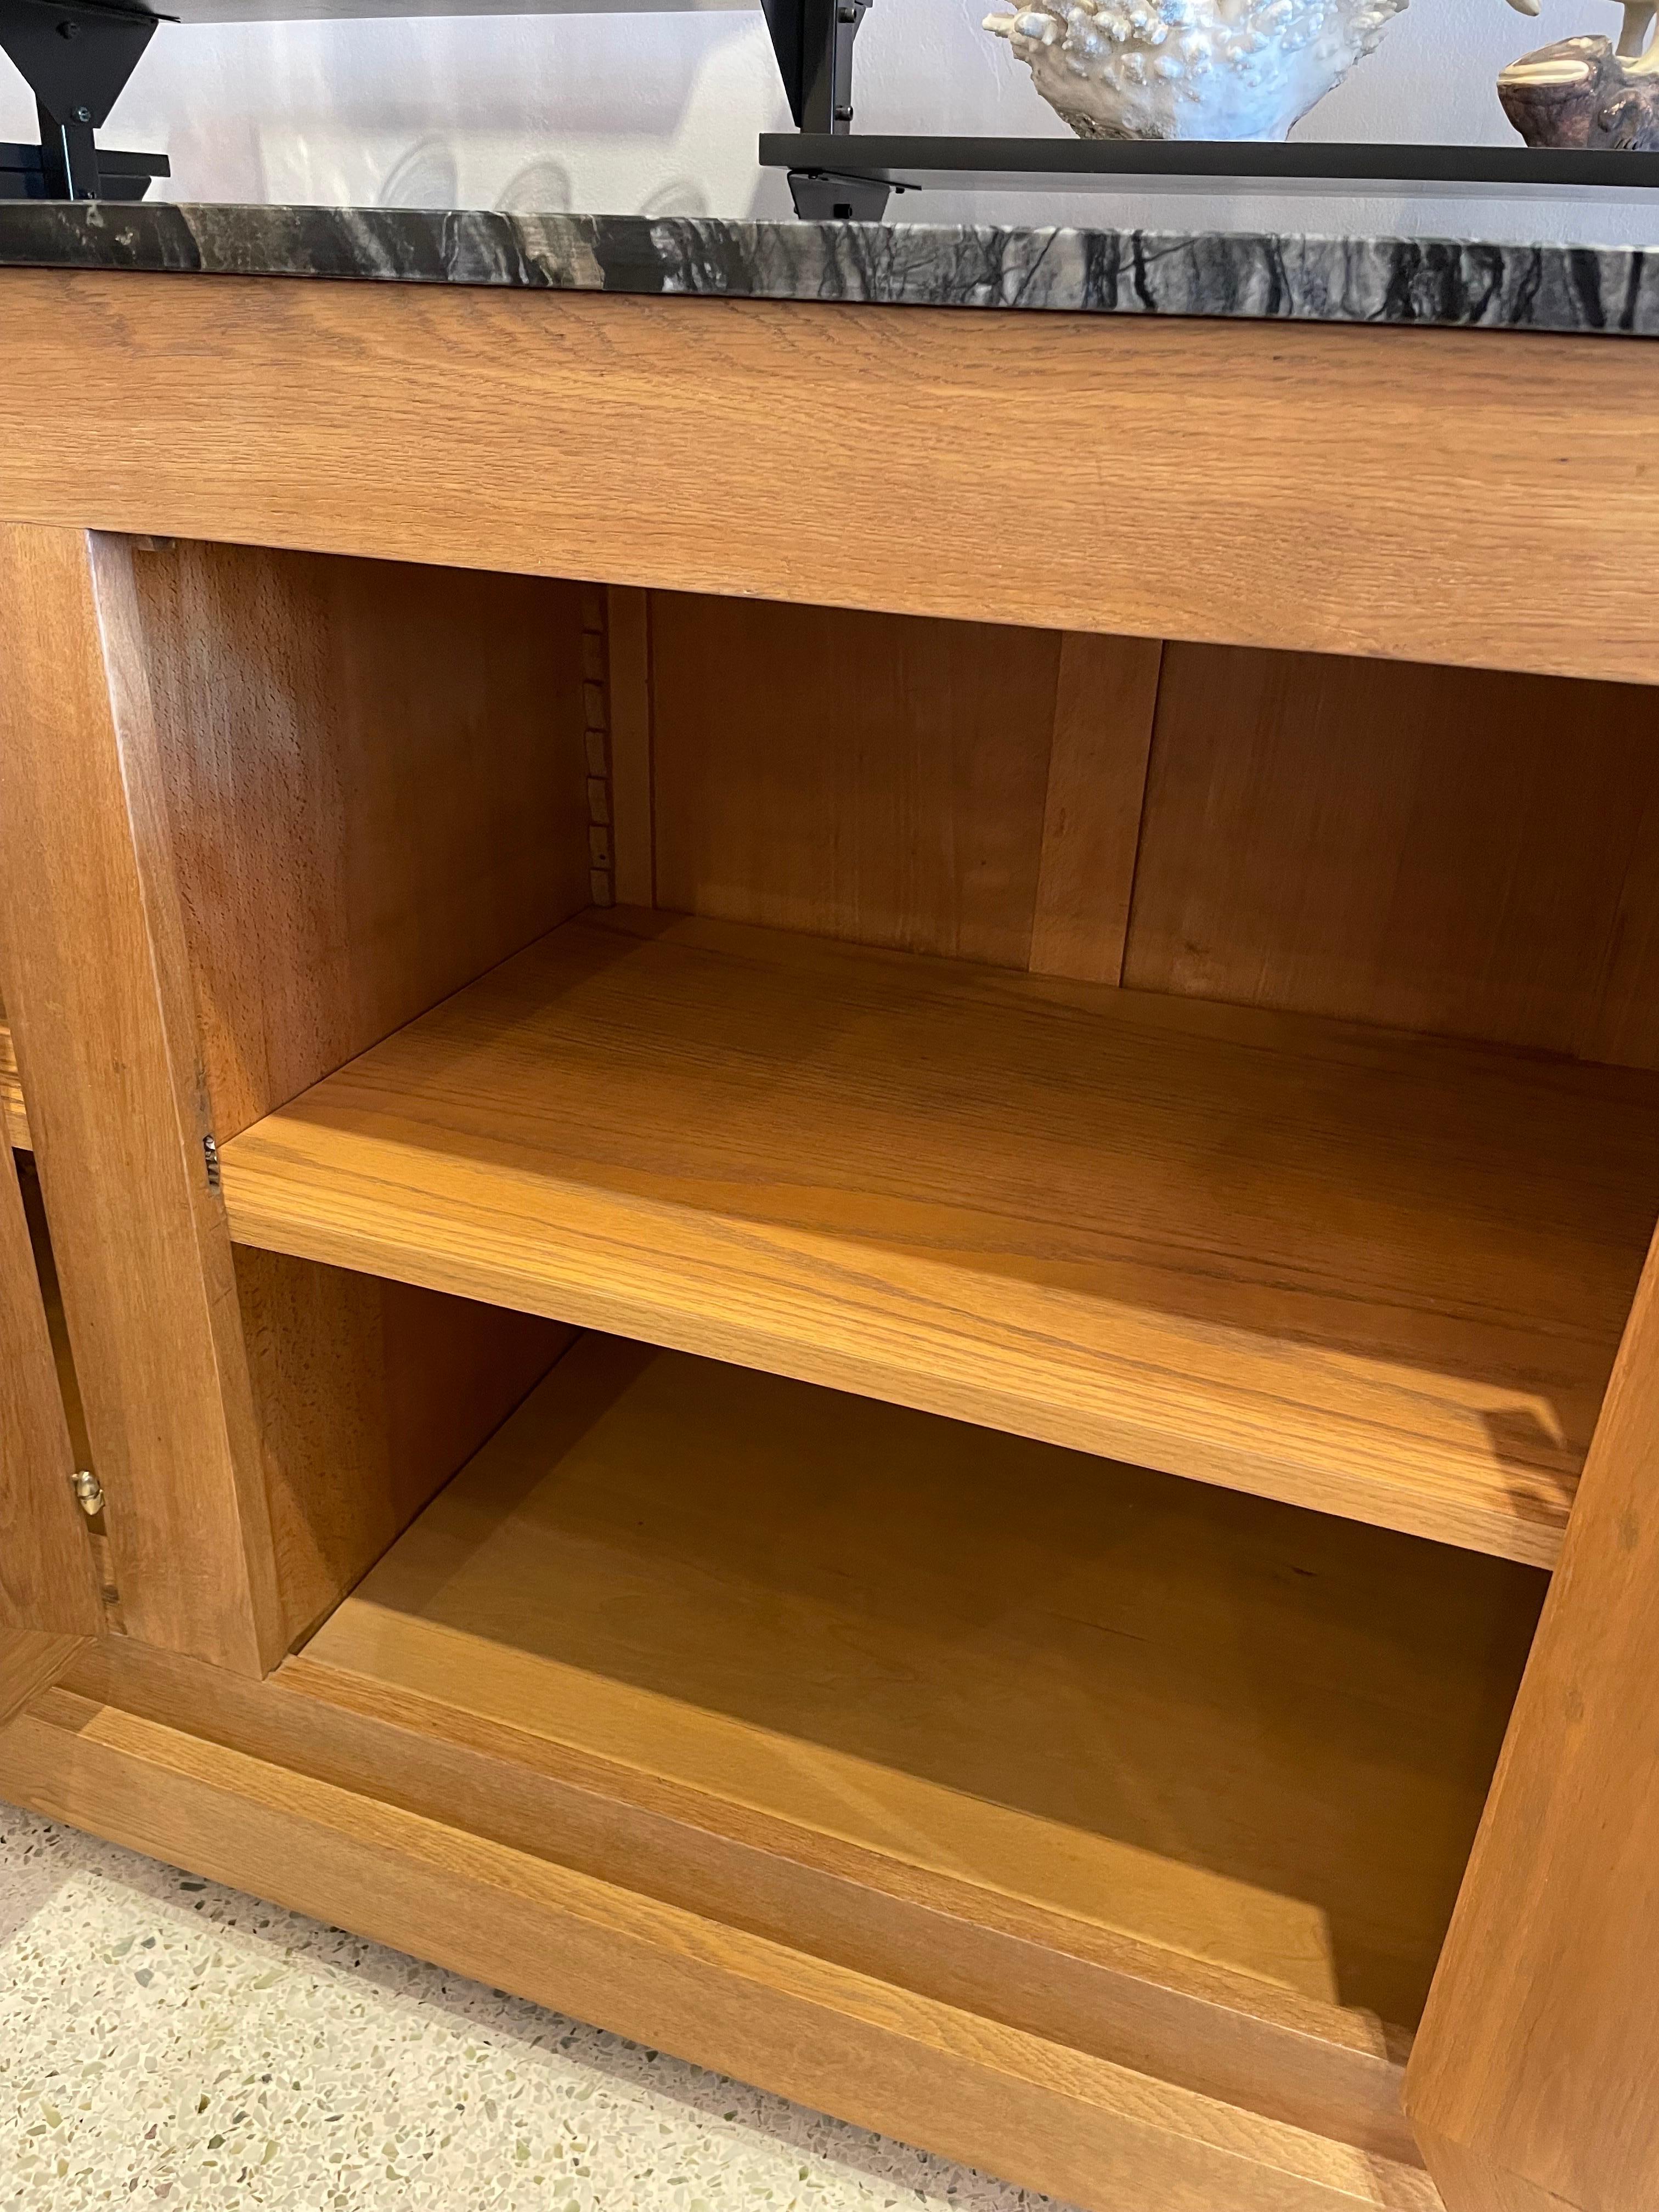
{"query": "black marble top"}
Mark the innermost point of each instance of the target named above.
(1329, 280)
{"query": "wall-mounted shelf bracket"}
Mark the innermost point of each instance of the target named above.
(820, 196)
(76, 55)
(813, 41)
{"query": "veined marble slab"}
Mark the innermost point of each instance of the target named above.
(1417, 280)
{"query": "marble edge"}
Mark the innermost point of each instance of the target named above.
(1432, 282)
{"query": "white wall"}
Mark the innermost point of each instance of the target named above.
(623, 112)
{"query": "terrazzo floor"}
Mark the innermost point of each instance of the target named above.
(167, 2041)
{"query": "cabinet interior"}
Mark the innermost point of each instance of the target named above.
(1103, 1698)
(950, 1280)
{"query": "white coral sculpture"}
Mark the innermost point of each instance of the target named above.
(1190, 68)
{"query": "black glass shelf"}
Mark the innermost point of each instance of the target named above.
(868, 168)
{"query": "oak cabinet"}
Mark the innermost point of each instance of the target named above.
(859, 1337)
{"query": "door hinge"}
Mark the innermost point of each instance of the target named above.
(89, 1492)
(211, 1153)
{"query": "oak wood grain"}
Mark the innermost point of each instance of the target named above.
(31, 1660)
(364, 785)
(846, 2042)
(14, 1119)
(1266, 504)
(1440, 849)
(1382, 1276)
(98, 995)
(376, 790)
(857, 776)
(46, 1579)
(1105, 695)
(946, 788)
(1534, 2083)
(369, 1394)
(1331, 2069)
(821, 1607)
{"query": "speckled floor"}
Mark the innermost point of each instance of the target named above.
(163, 2040)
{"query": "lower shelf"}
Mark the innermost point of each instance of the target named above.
(1072, 1819)
(1257, 1737)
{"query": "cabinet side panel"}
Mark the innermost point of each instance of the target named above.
(370, 1394)
(376, 791)
(1441, 849)
(1532, 2081)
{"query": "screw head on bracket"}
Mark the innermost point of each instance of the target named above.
(68, 30)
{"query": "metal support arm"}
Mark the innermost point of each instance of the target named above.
(813, 41)
(76, 55)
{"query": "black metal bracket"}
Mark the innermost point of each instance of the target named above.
(76, 55)
(813, 42)
(820, 196)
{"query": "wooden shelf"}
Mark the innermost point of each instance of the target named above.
(1380, 1275)
(12, 1116)
(1178, 1778)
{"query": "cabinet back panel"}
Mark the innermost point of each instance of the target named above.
(1449, 850)
(883, 778)
(1434, 848)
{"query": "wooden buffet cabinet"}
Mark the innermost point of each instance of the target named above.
(850, 1202)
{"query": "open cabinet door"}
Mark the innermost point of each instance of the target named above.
(46, 1579)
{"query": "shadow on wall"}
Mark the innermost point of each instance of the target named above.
(578, 142)
(428, 176)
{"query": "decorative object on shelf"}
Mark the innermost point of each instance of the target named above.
(1586, 92)
(1633, 31)
(1581, 93)
(1189, 69)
